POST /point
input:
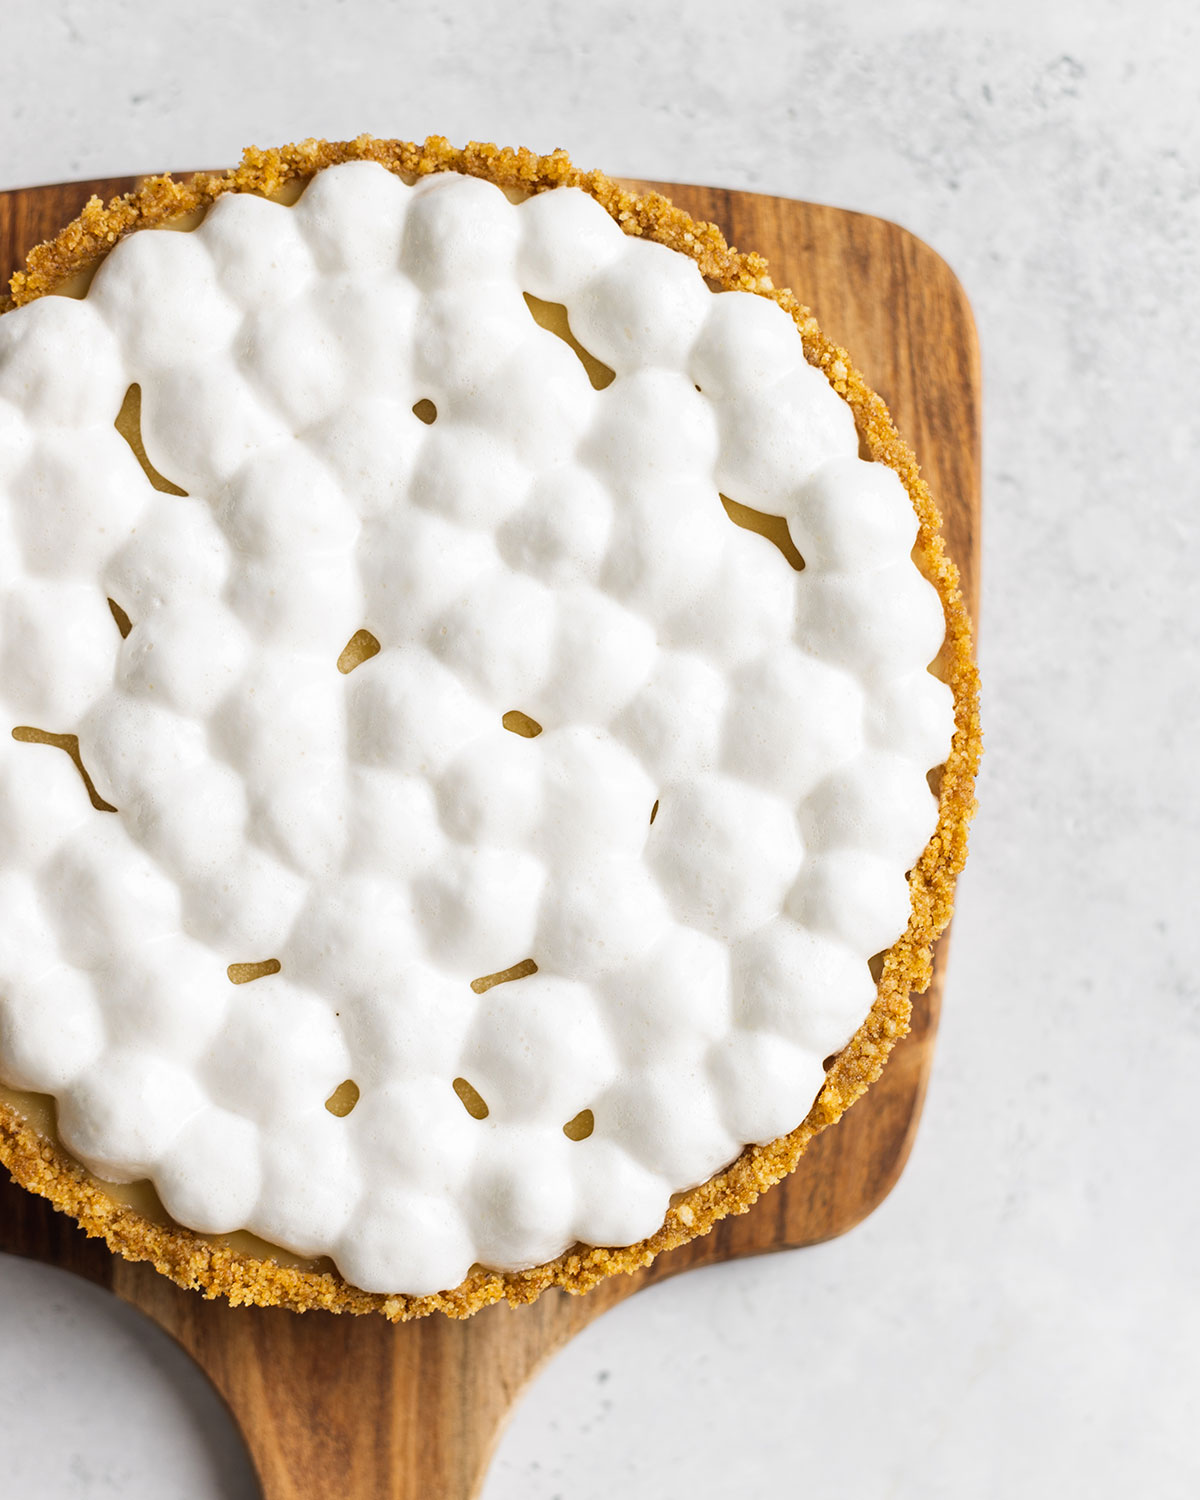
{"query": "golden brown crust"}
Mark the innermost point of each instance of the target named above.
(43, 1167)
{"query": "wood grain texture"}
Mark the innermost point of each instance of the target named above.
(356, 1408)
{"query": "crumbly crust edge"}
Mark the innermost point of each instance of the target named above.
(43, 1167)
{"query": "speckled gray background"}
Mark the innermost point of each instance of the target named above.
(1022, 1316)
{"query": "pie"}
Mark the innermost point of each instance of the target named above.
(493, 728)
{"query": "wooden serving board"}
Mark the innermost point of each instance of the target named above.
(355, 1408)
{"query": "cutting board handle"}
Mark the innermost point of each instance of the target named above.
(353, 1408)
